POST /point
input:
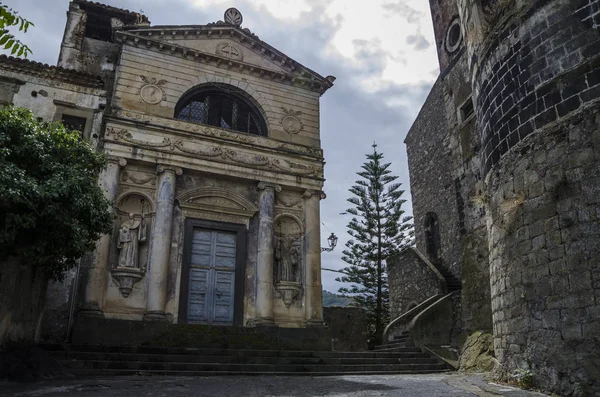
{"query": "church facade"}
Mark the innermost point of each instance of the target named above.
(214, 167)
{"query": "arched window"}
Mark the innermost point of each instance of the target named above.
(223, 106)
(432, 236)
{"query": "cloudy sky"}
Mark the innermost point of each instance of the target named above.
(381, 51)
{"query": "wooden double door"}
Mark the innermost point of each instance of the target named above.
(213, 273)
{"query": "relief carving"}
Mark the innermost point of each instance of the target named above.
(291, 122)
(233, 16)
(151, 92)
(230, 51)
(214, 151)
(127, 176)
(288, 201)
(219, 133)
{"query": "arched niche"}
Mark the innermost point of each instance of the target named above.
(134, 202)
(131, 237)
(288, 249)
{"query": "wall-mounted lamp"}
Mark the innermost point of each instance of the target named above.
(332, 241)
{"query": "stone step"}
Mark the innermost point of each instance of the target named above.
(398, 339)
(221, 352)
(141, 366)
(125, 372)
(406, 358)
(392, 345)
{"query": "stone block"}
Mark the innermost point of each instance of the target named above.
(554, 238)
(556, 252)
(556, 302)
(560, 285)
(580, 280)
(538, 243)
(572, 332)
(537, 228)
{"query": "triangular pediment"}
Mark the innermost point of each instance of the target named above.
(229, 49)
(228, 45)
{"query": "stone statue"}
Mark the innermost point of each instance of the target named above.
(287, 258)
(131, 234)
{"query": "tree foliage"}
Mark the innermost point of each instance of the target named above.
(378, 229)
(11, 19)
(52, 210)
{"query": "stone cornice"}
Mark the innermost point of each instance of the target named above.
(296, 75)
(220, 134)
(45, 71)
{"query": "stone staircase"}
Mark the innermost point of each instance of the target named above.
(452, 283)
(397, 357)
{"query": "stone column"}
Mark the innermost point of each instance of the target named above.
(93, 298)
(313, 288)
(160, 246)
(264, 262)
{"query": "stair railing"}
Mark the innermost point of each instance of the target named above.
(402, 323)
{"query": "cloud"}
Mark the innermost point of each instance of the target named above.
(382, 78)
(400, 8)
(418, 41)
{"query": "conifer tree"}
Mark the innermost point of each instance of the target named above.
(378, 229)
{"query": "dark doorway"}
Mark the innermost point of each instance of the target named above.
(212, 281)
(432, 237)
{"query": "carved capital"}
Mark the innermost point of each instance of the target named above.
(168, 168)
(117, 160)
(309, 193)
(267, 185)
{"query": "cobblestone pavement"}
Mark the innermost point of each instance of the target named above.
(262, 386)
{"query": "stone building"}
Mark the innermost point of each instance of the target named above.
(505, 187)
(215, 168)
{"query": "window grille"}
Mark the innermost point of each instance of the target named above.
(221, 106)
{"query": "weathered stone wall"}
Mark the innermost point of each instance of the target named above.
(536, 79)
(431, 183)
(22, 292)
(57, 308)
(464, 145)
(411, 280)
(348, 328)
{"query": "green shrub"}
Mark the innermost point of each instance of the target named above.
(52, 209)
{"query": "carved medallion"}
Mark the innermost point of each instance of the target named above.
(233, 16)
(230, 51)
(152, 92)
(290, 121)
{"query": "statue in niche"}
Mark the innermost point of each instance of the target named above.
(287, 259)
(131, 234)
